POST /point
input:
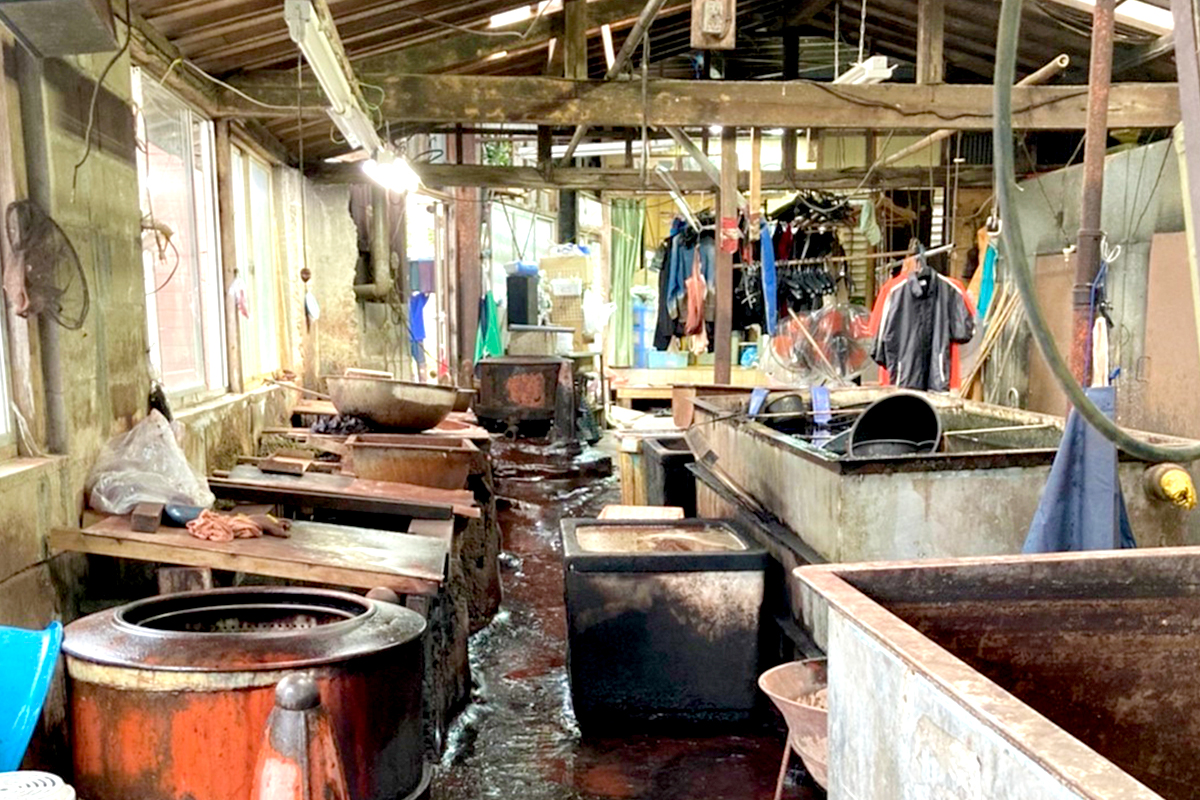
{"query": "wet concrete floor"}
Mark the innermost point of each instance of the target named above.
(518, 738)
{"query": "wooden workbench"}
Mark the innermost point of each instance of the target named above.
(629, 383)
(413, 563)
(347, 493)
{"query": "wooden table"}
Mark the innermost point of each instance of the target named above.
(407, 563)
(347, 493)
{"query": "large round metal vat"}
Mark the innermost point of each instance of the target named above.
(170, 695)
(393, 404)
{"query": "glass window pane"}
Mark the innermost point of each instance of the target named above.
(263, 310)
(173, 274)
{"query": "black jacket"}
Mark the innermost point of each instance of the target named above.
(921, 317)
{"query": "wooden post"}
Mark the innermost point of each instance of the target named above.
(575, 51)
(791, 71)
(931, 39)
(723, 330)
(468, 213)
(173, 580)
(226, 186)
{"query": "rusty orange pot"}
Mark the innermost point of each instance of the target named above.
(170, 696)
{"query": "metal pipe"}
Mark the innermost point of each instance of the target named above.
(31, 80)
(1046, 73)
(381, 278)
(1087, 252)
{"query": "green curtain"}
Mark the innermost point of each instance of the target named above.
(628, 223)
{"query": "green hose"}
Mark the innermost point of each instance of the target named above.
(1013, 249)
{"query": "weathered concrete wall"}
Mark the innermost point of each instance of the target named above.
(105, 367)
(331, 242)
(1142, 198)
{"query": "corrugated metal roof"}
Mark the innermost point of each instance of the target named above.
(230, 36)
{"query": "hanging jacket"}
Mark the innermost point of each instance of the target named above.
(922, 316)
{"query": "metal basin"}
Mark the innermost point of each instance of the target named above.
(392, 404)
(423, 460)
(793, 688)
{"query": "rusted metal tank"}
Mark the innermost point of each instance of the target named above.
(663, 621)
(170, 695)
(443, 463)
(1069, 675)
(516, 390)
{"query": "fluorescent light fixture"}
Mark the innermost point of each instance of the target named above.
(522, 13)
(392, 171)
(590, 149)
(874, 69)
(497, 56)
(315, 43)
(1135, 13)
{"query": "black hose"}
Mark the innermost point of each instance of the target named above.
(1013, 249)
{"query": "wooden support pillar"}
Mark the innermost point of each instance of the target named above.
(723, 330)
(545, 146)
(468, 269)
(931, 38)
(575, 52)
(791, 71)
(226, 186)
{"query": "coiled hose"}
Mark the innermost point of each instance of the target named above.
(1013, 245)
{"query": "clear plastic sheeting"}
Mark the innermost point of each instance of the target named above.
(145, 465)
(828, 346)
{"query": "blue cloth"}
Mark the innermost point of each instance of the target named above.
(822, 415)
(680, 266)
(770, 283)
(416, 316)
(1082, 507)
(987, 284)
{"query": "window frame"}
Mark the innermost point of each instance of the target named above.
(246, 216)
(205, 245)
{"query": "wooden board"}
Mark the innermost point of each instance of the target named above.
(316, 552)
(348, 493)
(323, 408)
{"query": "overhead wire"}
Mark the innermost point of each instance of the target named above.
(91, 121)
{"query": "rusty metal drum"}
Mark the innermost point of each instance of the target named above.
(169, 696)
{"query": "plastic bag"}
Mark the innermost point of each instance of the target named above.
(145, 465)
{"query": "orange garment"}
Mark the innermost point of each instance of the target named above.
(910, 264)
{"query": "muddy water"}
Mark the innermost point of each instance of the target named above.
(518, 739)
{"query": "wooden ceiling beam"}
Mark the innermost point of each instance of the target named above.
(630, 180)
(795, 104)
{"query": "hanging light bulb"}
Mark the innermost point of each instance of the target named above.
(392, 171)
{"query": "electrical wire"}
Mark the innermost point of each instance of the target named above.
(87, 133)
(1013, 242)
(837, 92)
(231, 87)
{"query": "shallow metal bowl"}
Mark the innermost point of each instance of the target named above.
(393, 404)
